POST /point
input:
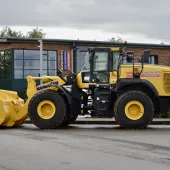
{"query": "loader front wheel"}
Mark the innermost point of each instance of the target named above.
(134, 109)
(47, 109)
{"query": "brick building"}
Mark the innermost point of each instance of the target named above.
(21, 57)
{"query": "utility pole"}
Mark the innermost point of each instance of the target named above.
(41, 57)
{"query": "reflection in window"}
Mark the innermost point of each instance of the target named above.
(31, 54)
(29, 63)
(52, 55)
(100, 61)
(52, 72)
(18, 64)
(18, 74)
(35, 73)
(116, 56)
(45, 72)
(34, 64)
(18, 54)
(5, 64)
(52, 65)
(34, 55)
(86, 65)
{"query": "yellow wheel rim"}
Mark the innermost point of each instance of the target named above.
(134, 110)
(46, 109)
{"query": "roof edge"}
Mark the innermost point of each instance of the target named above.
(81, 42)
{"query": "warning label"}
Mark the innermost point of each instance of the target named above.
(146, 74)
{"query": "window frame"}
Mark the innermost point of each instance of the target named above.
(23, 59)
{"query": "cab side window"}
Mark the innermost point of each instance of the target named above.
(100, 61)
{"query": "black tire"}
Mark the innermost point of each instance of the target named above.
(119, 110)
(73, 119)
(59, 115)
(72, 115)
(65, 121)
(69, 121)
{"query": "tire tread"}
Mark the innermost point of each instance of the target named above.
(52, 92)
(121, 96)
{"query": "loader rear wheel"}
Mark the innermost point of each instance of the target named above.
(134, 109)
(69, 121)
(47, 109)
(72, 116)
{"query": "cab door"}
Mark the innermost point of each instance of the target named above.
(101, 62)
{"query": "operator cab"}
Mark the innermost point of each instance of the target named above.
(98, 64)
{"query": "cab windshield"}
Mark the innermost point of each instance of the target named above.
(101, 61)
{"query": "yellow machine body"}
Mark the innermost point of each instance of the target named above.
(10, 105)
(157, 75)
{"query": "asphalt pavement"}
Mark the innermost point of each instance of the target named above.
(111, 121)
(82, 147)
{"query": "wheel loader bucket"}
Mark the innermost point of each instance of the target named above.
(13, 110)
(10, 105)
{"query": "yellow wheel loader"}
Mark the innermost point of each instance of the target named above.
(112, 83)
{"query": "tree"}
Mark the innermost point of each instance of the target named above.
(8, 32)
(36, 33)
(113, 39)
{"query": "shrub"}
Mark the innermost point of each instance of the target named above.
(163, 115)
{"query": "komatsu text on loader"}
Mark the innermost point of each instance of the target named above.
(111, 84)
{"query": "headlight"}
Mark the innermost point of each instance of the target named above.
(86, 78)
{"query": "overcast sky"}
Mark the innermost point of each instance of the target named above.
(133, 20)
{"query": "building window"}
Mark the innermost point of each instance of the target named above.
(153, 59)
(18, 64)
(27, 62)
(5, 64)
(52, 63)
